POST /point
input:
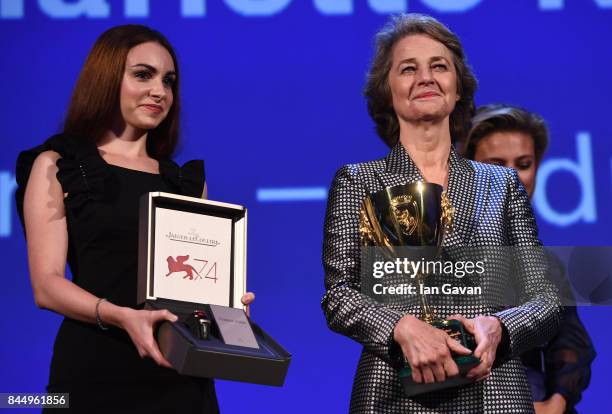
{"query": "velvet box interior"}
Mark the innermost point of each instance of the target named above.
(213, 358)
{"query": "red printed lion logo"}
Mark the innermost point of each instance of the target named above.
(178, 265)
(209, 269)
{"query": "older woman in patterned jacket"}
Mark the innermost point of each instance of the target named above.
(420, 95)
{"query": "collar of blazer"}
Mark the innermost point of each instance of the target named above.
(466, 189)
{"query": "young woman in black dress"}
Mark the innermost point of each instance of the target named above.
(78, 199)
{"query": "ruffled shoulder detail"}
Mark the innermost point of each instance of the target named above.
(81, 170)
(186, 180)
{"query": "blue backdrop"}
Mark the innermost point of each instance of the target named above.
(272, 100)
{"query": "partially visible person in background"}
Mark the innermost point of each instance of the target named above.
(560, 370)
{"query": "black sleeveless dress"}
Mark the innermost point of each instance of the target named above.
(102, 370)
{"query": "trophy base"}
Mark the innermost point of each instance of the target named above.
(455, 330)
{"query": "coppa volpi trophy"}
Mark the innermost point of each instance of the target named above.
(416, 215)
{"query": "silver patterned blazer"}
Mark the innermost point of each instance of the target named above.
(492, 209)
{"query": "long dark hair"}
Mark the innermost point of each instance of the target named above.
(95, 99)
(378, 93)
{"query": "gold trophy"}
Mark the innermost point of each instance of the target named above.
(418, 215)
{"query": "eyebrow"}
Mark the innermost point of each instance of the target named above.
(503, 160)
(431, 59)
(153, 69)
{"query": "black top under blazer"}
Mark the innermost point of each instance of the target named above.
(492, 209)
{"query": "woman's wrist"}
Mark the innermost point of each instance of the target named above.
(111, 314)
(498, 326)
(400, 327)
